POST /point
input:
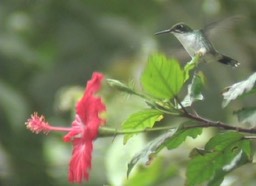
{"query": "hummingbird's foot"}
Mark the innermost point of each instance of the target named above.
(201, 52)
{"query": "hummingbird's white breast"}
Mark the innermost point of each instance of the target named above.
(192, 42)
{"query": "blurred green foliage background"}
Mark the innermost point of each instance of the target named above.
(50, 47)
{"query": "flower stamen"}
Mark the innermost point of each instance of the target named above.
(37, 124)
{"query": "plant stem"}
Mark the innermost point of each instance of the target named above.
(107, 132)
(218, 124)
(203, 123)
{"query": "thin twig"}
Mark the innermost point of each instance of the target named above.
(218, 124)
(180, 104)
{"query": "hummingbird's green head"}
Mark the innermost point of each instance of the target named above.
(179, 28)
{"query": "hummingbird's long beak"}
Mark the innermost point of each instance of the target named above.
(163, 32)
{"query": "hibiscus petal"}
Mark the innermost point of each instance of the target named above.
(80, 163)
(86, 124)
(90, 106)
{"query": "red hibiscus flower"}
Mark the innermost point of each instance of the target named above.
(82, 133)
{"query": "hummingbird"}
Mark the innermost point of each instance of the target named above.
(197, 42)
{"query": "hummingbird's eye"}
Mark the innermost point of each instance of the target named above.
(180, 27)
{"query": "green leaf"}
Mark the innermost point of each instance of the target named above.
(247, 115)
(180, 136)
(240, 159)
(194, 90)
(223, 140)
(190, 66)
(162, 78)
(141, 120)
(171, 139)
(226, 152)
(239, 89)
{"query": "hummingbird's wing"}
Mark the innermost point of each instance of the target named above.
(214, 28)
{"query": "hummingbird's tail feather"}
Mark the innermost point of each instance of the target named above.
(228, 61)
